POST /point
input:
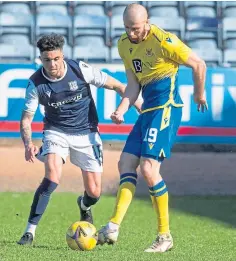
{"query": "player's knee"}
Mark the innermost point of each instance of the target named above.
(150, 171)
(146, 168)
(53, 171)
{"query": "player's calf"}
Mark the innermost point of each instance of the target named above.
(85, 214)
(85, 202)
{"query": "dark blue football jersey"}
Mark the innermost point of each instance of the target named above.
(68, 102)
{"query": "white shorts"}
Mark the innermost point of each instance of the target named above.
(85, 150)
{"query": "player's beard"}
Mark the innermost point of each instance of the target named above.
(140, 37)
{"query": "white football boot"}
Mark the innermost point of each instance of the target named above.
(107, 235)
(162, 244)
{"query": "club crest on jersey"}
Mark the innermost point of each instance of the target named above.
(73, 85)
(149, 52)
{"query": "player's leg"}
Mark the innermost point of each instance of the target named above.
(128, 179)
(150, 169)
(92, 186)
(86, 153)
(53, 156)
(127, 165)
(157, 145)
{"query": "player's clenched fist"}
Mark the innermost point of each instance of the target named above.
(117, 117)
(30, 151)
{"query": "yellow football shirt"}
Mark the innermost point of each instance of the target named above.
(155, 62)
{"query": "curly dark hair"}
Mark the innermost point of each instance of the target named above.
(50, 42)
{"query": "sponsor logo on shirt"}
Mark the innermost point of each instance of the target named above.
(67, 101)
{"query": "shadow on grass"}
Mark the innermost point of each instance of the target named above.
(218, 208)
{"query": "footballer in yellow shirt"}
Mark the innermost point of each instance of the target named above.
(155, 63)
(151, 57)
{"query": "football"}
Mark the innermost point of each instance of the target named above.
(81, 235)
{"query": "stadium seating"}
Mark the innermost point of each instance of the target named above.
(230, 44)
(89, 40)
(164, 12)
(16, 8)
(202, 28)
(19, 24)
(229, 29)
(230, 57)
(115, 57)
(201, 24)
(53, 9)
(15, 39)
(203, 44)
(15, 53)
(91, 20)
(91, 54)
(213, 57)
(175, 25)
(91, 4)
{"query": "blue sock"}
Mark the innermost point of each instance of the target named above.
(41, 199)
(89, 201)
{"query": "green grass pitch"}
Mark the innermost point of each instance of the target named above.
(203, 229)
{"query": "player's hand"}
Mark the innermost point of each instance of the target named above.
(201, 103)
(117, 117)
(30, 151)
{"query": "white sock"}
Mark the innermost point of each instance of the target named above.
(113, 226)
(83, 206)
(31, 228)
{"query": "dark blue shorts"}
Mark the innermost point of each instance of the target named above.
(154, 133)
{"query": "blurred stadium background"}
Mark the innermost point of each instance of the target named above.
(91, 30)
(207, 26)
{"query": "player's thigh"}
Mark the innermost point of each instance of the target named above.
(86, 152)
(128, 163)
(134, 141)
(53, 167)
(159, 132)
(54, 142)
(92, 183)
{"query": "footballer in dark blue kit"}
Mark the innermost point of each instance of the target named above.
(62, 86)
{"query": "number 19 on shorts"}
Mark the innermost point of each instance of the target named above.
(151, 135)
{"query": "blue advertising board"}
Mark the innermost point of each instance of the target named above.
(218, 125)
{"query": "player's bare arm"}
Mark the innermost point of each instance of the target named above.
(26, 135)
(130, 96)
(113, 84)
(199, 76)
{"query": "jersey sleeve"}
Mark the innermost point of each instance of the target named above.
(31, 98)
(174, 49)
(92, 75)
(122, 56)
